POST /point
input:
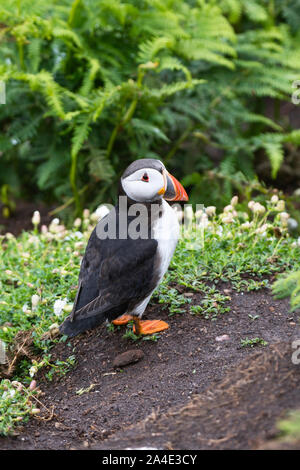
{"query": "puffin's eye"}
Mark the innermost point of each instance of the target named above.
(145, 177)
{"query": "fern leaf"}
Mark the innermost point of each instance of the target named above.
(100, 167)
(149, 49)
(146, 128)
(81, 132)
(174, 64)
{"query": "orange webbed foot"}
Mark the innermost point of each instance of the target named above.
(123, 320)
(149, 327)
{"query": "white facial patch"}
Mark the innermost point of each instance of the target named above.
(144, 185)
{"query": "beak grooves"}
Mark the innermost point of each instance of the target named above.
(174, 190)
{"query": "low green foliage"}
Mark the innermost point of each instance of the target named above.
(253, 342)
(16, 405)
(238, 246)
(129, 334)
(289, 285)
(212, 304)
(290, 427)
(171, 299)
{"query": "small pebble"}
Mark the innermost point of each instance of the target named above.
(128, 357)
(222, 338)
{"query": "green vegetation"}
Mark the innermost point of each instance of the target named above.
(253, 342)
(289, 285)
(40, 272)
(290, 427)
(94, 84)
(17, 403)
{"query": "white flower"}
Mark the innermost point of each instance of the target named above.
(34, 301)
(78, 234)
(234, 201)
(26, 309)
(284, 216)
(228, 208)
(54, 226)
(77, 222)
(54, 326)
(280, 206)
(246, 225)
(33, 370)
(262, 230)
(86, 213)
(203, 221)
(258, 208)
(9, 236)
(274, 199)
(210, 211)
(33, 240)
(58, 306)
(228, 219)
(36, 218)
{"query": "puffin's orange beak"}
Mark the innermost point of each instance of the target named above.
(174, 191)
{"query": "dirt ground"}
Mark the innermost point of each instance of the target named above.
(21, 219)
(190, 390)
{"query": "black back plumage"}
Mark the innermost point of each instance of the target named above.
(115, 275)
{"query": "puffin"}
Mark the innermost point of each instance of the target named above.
(128, 252)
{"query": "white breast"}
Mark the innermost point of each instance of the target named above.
(166, 232)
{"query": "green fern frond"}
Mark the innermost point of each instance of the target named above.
(67, 35)
(168, 90)
(48, 170)
(80, 135)
(255, 12)
(174, 64)
(149, 49)
(34, 54)
(272, 144)
(145, 128)
(232, 8)
(192, 49)
(100, 167)
(89, 78)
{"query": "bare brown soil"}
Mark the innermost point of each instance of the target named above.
(21, 218)
(188, 391)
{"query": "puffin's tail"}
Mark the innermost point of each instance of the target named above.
(73, 327)
(90, 316)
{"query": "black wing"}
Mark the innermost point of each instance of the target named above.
(114, 276)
